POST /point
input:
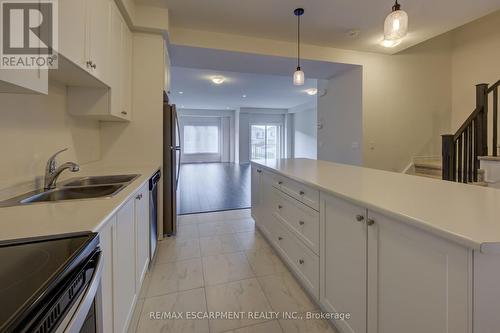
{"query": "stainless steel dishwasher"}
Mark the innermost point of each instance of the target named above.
(153, 214)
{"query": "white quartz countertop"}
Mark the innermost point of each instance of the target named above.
(467, 214)
(41, 219)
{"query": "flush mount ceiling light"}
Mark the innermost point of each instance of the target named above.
(218, 79)
(311, 91)
(298, 76)
(181, 92)
(390, 43)
(396, 23)
(244, 96)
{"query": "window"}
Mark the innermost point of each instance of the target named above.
(265, 142)
(201, 139)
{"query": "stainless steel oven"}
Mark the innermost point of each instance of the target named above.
(51, 284)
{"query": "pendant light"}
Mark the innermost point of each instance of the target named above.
(298, 76)
(396, 23)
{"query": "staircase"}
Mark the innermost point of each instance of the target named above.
(430, 167)
(461, 151)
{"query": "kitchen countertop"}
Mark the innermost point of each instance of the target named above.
(42, 219)
(466, 214)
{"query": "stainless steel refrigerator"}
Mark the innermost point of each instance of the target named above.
(171, 166)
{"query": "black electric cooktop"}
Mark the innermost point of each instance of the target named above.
(31, 268)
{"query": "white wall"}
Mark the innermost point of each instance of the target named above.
(250, 116)
(305, 132)
(340, 116)
(33, 127)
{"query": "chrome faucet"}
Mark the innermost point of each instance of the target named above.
(52, 173)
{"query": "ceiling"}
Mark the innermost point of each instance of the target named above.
(265, 80)
(325, 22)
(262, 91)
(220, 60)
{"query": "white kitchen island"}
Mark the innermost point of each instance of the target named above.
(398, 253)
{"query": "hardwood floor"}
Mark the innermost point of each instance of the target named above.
(209, 187)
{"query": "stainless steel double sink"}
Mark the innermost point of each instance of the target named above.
(76, 188)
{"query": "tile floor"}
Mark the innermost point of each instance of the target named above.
(220, 262)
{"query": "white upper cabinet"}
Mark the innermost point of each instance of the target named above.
(98, 38)
(416, 282)
(72, 31)
(84, 28)
(343, 274)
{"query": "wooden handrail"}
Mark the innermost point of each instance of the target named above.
(467, 122)
(493, 86)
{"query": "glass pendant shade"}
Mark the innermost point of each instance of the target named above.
(298, 77)
(396, 25)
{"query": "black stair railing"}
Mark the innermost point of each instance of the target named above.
(461, 150)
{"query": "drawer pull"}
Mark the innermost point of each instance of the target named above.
(301, 222)
(370, 222)
(280, 238)
(139, 196)
(301, 261)
(280, 182)
(280, 206)
(302, 192)
(360, 218)
(259, 171)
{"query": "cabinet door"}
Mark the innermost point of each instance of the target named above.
(98, 29)
(124, 266)
(106, 245)
(115, 65)
(141, 234)
(256, 194)
(343, 263)
(126, 71)
(416, 281)
(72, 36)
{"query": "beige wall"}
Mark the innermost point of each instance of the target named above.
(406, 97)
(33, 127)
(475, 59)
(340, 114)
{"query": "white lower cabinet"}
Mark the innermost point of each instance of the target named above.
(124, 272)
(106, 236)
(386, 275)
(344, 262)
(417, 282)
(124, 241)
(141, 234)
(391, 277)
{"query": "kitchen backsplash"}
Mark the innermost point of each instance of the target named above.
(33, 127)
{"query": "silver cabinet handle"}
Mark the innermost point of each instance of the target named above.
(301, 222)
(370, 222)
(259, 170)
(280, 182)
(124, 112)
(302, 192)
(280, 206)
(360, 218)
(301, 261)
(139, 196)
(280, 238)
(89, 63)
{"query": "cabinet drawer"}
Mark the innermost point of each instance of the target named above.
(301, 192)
(302, 220)
(300, 258)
